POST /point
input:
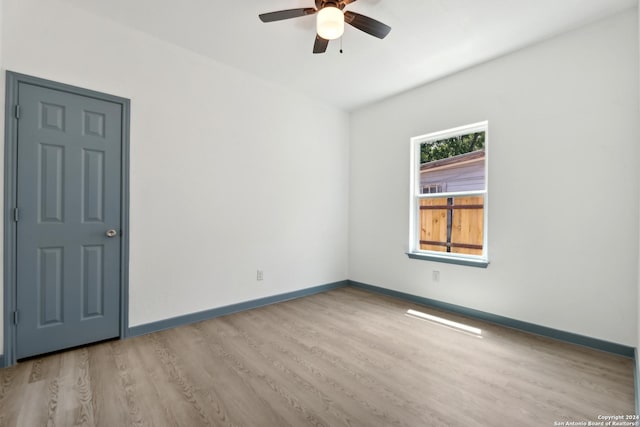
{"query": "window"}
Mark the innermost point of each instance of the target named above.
(432, 188)
(449, 195)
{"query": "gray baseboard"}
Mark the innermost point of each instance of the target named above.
(569, 337)
(229, 309)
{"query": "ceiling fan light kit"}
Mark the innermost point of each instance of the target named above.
(330, 21)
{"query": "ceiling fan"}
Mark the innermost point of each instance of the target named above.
(330, 21)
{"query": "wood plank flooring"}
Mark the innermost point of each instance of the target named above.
(342, 358)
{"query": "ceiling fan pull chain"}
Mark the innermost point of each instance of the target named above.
(341, 43)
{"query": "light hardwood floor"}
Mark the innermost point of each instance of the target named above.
(341, 358)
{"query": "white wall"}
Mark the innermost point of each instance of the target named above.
(638, 318)
(563, 183)
(2, 96)
(228, 173)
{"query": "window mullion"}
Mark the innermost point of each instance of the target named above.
(450, 194)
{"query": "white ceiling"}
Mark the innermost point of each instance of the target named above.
(429, 38)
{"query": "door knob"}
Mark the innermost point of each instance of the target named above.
(111, 233)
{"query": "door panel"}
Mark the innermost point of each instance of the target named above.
(50, 280)
(68, 196)
(93, 186)
(92, 283)
(51, 171)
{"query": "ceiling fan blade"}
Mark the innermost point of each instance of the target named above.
(286, 14)
(366, 24)
(320, 45)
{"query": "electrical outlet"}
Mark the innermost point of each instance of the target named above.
(435, 276)
(259, 275)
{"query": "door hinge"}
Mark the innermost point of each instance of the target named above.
(17, 111)
(16, 214)
(15, 317)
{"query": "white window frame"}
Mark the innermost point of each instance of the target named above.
(415, 191)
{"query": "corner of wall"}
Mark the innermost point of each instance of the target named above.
(637, 362)
(2, 96)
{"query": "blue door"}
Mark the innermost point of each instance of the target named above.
(68, 229)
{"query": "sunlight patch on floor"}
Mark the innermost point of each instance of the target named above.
(477, 332)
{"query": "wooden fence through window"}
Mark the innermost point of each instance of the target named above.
(452, 224)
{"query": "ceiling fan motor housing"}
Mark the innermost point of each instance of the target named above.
(320, 4)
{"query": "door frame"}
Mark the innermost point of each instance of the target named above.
(13, 80)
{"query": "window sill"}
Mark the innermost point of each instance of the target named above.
(481, 263)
